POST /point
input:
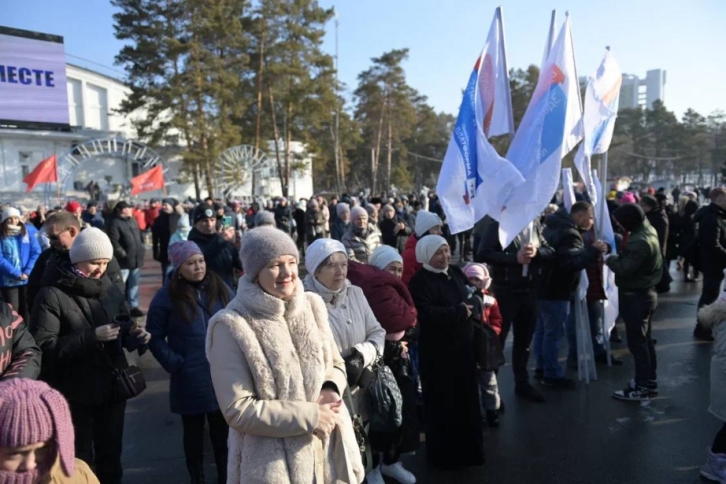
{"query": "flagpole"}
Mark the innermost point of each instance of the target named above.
(506, 70)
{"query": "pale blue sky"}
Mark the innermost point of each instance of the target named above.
(688, 39)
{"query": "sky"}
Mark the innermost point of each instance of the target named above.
(444, 37)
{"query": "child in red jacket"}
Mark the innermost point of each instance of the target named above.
(478, 276)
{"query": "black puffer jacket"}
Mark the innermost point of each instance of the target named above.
(128, 243)
(67, 311)
(711, 222)
(283, 216)
(164, 226)
(560, 279)
(221, 256)
(659, 220)
(507, 273)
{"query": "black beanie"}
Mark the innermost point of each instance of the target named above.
(630, 216)
(650, 201)
(203, 211)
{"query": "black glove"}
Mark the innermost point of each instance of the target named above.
(354, 367)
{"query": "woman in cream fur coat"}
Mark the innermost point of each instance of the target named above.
(278, 375)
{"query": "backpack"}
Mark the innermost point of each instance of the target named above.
(384, 400)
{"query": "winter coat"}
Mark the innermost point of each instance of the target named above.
(659, 221)
(164, 226)
(688, 227)
(559, 280)
(492, 315)
(339, 229)
(283, 217)
(82, 475)
(351, 319)
(150, 216)
(712, 239)
(507, 274)
(299, 216)
(67, 311)
(18, 254)
(714, 318)
(93, 220)
(410, 263)
(595, 276)
(220, 255)
(127, 241)
(639, 264)
(447, 364)
(19, 355)
(269, 360)
(314, 225)
(389, 235)
(387, 296)
(140, 218)
(178, 345)
(360, 247)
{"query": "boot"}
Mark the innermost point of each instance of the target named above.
(196, 472)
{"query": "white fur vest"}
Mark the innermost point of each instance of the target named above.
(289, 349)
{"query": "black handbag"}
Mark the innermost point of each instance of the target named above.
(128, 382)
(384, 399)
(489, 354)
(361, 436)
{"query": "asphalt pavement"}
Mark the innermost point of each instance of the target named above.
(577, 436)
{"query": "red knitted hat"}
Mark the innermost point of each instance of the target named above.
(32, 412)
(73, 207)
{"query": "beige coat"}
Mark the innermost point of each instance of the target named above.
(714, 317)
(269, 360)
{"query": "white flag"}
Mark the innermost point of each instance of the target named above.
(598, 121)
(474, 180)
(550, 129)
(605, 228)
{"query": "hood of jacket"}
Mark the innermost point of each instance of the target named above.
(60, 274)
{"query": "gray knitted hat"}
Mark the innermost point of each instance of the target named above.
(262, 245)
(263, 217)
(91, 244)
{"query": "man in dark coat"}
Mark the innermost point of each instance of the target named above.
(283, 216)
(559, 281)
(128, 249)
(220, 255)
(712, 246)
(516, 292)
(164, 226)
(62, 229)
(638, 269)
(658, 219)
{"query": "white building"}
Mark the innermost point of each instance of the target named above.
(636, 92)
(93, 101)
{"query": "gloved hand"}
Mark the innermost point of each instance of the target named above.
(353, 367)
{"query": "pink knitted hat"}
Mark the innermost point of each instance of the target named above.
(180, 251)
(479, 271)
(32, 412)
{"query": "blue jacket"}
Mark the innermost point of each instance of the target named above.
(179, 346)
(18, 254)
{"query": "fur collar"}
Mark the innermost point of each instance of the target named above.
(713, 314)
(251, 298)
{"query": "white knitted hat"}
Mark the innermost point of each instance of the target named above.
(425, 221)
(91, 244)
(383, 256)
(10, 212)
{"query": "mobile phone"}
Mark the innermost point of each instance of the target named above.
(227, 221)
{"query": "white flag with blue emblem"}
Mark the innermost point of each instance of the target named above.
(551, 128)
(474, 180)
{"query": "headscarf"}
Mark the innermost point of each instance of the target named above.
(383, 256)
(425, 250)
(316, 254)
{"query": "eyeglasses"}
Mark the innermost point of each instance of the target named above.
(56, 237)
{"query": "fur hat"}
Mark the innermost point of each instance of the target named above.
(383, 256)
(320, 250)
(180, 252)
(425, 221)
(262, 245)
(264, 218)
(91, 244)
(10, 212)
(33, 412)
(356, 212)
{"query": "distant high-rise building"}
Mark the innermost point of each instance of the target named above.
(636, 92)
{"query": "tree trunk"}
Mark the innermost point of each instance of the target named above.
(277, 138)
(199, 94)
(388, 161)
(258, 125)
(288, 147)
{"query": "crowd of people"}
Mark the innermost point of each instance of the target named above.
(316, 340)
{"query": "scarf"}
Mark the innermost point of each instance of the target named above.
(14, 230)
(426, 247)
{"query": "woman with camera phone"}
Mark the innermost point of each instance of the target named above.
(80, 321)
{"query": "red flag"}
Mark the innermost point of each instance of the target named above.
(45, 172)
(148, 181)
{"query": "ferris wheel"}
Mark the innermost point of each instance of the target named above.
(239, 170)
